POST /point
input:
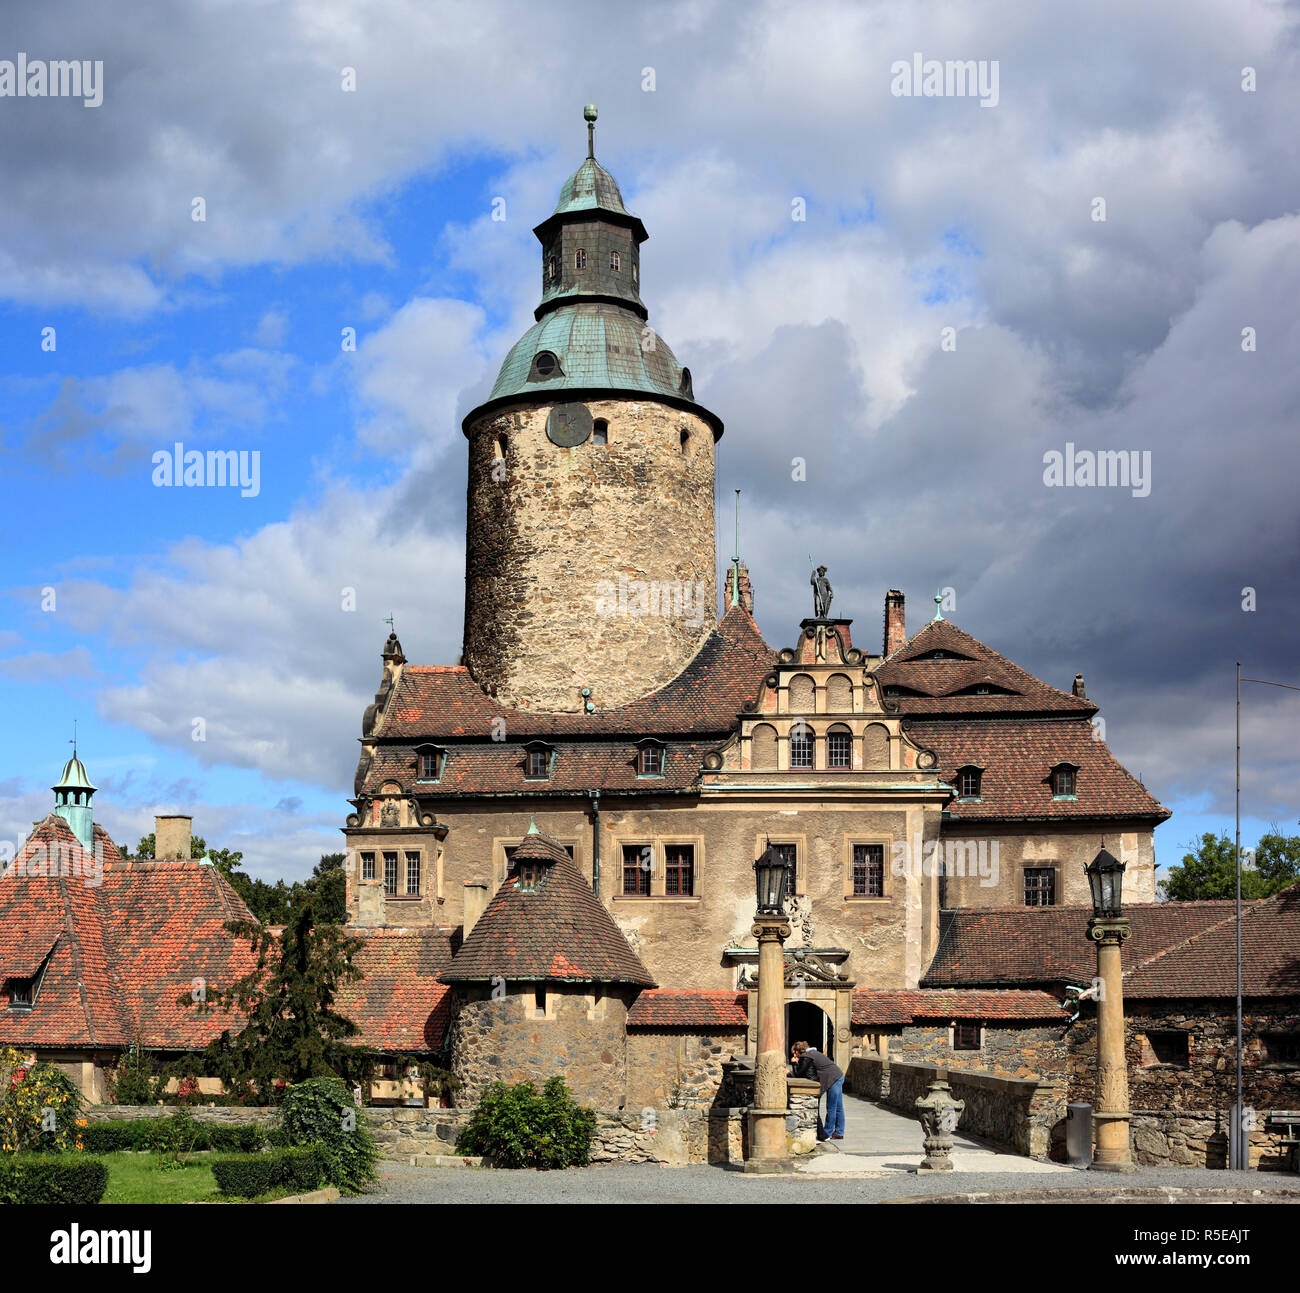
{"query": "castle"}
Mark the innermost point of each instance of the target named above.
(602, 703)
(550, 854)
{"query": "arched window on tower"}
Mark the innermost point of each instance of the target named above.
(685, 439)
(600, 431)
(550, 269)
(580, 258)
(499, 448)
(615, 261)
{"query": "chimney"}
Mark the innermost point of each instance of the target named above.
(746, 589)
(895, 627)
(476, 900)
(171, 836)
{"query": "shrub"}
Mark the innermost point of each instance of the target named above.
(516, 1126)
(301, 1168)
(39, 1107)
(320, 1111)
(52, 1178)
(158, 1134)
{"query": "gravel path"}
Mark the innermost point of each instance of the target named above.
(649, 1183)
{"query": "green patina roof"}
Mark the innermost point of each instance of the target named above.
(598, 345)
(590, 187)
(74, 777)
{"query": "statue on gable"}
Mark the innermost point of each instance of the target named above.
(822, 594)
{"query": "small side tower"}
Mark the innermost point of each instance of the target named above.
(590, 551)
(73, 798)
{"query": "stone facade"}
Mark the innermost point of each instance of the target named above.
(1014, 1051)
(552, 534)
(678, 1068)
(579, 1035)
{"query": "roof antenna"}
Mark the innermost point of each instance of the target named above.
(73, 742)
(735, 560)
(589, 113)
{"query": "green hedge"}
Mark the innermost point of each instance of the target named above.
(156, 1133)
(69, 1179)
(247, 1175)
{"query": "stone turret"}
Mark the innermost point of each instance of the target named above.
(590, 557)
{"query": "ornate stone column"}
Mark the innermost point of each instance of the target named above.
(1111, 1116)
(767, 1143)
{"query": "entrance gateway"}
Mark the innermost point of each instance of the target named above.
(818, 1000)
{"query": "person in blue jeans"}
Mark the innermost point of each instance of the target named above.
(809, 1063)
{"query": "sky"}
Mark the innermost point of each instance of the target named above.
(922, 297)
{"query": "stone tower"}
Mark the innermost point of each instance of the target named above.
(590, 557)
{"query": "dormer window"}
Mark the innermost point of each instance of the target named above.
(429, 763)
(650, 760)
(545, 366)
(21, 993)
(615, 261)
(528, 873)
(969, 781)
(580, 258)
(537, 762)
(1064, 781)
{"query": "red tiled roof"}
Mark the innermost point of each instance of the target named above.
(498, 768)
(400, 1006)
(558, 930)
(443, 703)
(1049, 945)
(1205, 964)
(165, 922)
(79, 998)
(873, 1008)
(126, 947)
(1017, 756)
(939, 681)
(674, 1008)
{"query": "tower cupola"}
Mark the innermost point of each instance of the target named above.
(73, 796)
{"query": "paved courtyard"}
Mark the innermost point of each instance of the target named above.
(876, 1165)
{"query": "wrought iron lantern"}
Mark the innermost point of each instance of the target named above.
(1106, 879)
(772, 878)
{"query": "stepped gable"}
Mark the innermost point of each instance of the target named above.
(400, 1006)
(946, 685)
(442, 702)
(689, 1008)
(557, 930)
(55, 925)
(1049, 945)
(872, 1007)
(1017, 757)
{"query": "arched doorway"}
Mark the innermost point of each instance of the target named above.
(807, 1022)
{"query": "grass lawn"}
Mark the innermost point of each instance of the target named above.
(137, 1178)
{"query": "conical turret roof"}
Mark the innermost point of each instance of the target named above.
(545, 923)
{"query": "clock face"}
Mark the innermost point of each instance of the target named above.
(568, 425)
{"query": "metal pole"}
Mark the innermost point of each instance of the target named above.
(1239, 1148)
(1237, 1159)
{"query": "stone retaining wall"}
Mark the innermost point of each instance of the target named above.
(667, 1136)
(225, 1115)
